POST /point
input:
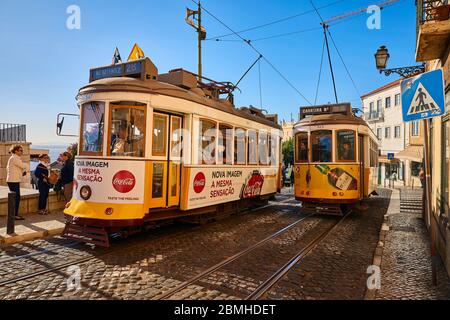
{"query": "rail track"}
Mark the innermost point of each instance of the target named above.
(266, 285)
(159, 235)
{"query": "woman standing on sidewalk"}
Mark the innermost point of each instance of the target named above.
(42, 175)
(67, 175)
(15, 170)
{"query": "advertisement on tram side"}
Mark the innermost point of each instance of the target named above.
(210, 186)
(115, 182)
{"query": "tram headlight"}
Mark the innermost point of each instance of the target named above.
(85, 192)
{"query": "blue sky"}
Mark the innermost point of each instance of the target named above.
(43, 64)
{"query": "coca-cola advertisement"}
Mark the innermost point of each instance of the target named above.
(253, 185)
(124, 181)
(199, 182)
(111, 181)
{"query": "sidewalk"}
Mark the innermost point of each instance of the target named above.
(404, 253)
(33, 227)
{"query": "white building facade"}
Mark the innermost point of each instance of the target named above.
(383, 112)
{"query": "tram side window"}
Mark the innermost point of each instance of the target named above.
(127, 132)
(93, 117)
(239, 146)
(346, 145)
(252, 147)
(263, 148)
(225, 143)
(207, 145)
(302, 147)
(321, 142)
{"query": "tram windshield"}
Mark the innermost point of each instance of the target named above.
(321, 143)
(127, 131)
(302, 147)
(346, 145)
(93, 116)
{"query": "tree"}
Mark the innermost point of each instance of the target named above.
(288, 152)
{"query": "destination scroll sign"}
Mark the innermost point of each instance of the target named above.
(119, 70)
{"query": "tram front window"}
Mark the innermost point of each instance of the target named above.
(346, 145)
(127, 132)
(321, 142)
(93, 116)
(302, 147)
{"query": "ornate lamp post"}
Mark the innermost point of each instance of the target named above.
(381, 59)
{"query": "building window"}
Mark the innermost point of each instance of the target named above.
(380, 133)
(321, 142)
(387, 132)
(388, 102)
(415, 168)
(397, 132)
(379, 106)
(371, 110)
(415, 128)
(397, 99)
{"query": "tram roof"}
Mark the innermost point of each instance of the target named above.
(156, 87)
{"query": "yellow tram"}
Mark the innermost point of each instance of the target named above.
(162, 146)
(336, 159)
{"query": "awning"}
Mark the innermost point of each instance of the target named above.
(413, 153)
(384, 159)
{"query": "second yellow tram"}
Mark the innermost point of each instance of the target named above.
(336, 159)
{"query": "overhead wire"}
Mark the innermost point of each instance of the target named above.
(257, 51)
(275, 22)
(320, 72)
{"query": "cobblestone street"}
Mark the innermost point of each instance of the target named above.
(149, 265)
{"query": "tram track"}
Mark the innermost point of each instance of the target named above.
(266, 285)
(161, 235)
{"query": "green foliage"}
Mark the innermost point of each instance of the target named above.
(288, 152)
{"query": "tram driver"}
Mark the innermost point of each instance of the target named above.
(120, 143)
(346, 152)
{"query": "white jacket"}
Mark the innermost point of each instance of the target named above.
(14, 169)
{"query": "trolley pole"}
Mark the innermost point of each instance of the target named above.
(11, 212)
(199, 32)
(427, 207)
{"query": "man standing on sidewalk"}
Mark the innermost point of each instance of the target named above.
(15, 170)
(67, 175)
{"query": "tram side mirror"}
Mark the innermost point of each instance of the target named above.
(70, 127)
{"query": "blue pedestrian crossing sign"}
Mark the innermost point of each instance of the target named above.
(423, 96)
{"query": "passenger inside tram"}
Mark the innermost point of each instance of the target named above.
(120, 145)
(321, 146)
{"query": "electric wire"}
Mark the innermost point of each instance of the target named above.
(260, 85)
(320, 72)
(257, 51)
(275, 22)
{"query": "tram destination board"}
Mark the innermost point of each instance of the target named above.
(130, 69)
(342, 108)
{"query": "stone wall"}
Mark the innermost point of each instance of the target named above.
(4, 156)
(29, 204)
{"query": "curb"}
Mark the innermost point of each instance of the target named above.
(394, 203)
(13, 239)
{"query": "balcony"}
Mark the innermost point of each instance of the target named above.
(375, 116)
(433, 29)
(12, 132)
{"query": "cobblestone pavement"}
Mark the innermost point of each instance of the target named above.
(145, 266)
(337, 268)
(406, 261)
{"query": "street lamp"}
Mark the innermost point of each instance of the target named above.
(381, 59)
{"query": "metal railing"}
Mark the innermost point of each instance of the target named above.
(374, 116)
(432, 10)
(13, 132)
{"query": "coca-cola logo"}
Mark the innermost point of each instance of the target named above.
(199, 182)
(124, 181)
(253, 186)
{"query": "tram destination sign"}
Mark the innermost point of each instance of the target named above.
(342, 108)
(142, 69)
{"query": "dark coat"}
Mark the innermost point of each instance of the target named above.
(67, 172)
(41, 173)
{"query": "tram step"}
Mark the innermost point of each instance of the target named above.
(93, 235)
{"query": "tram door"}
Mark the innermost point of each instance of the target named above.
(166, 167)
(362, 164)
